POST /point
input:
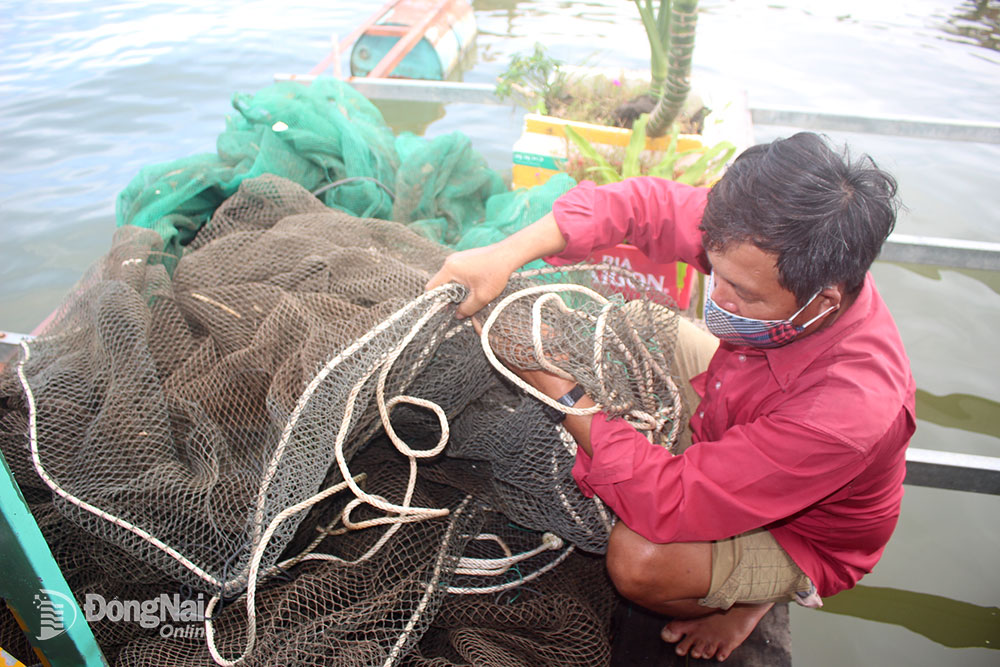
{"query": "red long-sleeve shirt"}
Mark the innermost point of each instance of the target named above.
(807, 440)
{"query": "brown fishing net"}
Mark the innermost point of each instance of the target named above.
(283, 428)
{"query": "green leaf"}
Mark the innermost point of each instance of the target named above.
(535, 75)
(681, 275)
(663, 24)
(665, 167)
(588, 151)
(658, 52)
(709, 162)
(606, 174)
(630, 165)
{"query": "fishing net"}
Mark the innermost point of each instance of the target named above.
(332, 141)
(284, 427)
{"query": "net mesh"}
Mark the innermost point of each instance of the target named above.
(282, 424)
(331, 140)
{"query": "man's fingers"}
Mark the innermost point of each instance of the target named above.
(470, 306)
(436, 281)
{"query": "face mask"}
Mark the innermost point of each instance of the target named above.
(750, 332)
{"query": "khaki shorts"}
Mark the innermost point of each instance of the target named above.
(752, 568)
(695, 348)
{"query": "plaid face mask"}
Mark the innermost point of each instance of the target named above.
(749, 332)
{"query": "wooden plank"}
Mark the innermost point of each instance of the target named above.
(33, 586)
(636, 641)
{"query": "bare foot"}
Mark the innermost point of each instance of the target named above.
(717, 634)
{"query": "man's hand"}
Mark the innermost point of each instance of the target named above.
(484, 271)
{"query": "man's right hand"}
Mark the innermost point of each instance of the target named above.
(484, 271)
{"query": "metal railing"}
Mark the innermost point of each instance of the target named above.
(952, 253)
(915, 127)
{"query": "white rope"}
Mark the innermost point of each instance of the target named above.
(251, 592)
(36, 461)
(432, 584)
(509, 374)
(485, 563)
(405, 511)
(517, 582)
(431, 296)
(491, 567)
(644, 367)
(536, 333)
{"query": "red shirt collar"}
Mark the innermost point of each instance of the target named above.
(789, 361)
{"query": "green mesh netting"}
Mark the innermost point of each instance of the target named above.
(332, 141)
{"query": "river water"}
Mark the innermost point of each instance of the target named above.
(90, 92)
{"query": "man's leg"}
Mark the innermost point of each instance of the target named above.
(681, 580)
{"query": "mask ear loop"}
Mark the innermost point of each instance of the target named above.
(825, 312)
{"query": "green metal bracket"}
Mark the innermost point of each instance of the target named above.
(34, 587)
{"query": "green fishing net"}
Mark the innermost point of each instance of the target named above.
(333, 142)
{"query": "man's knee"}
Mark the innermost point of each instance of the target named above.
(631, 564)
(650, 573)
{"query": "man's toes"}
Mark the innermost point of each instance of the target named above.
(704, 650)
(670, 635)
(684, 645)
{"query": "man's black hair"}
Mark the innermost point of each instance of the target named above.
(823, 215)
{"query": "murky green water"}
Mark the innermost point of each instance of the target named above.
(90, 92)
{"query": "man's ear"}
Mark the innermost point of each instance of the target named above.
(831, 296)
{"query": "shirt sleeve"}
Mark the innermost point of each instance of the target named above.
(658, 216)
(755, 475)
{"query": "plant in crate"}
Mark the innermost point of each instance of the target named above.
(670, 29)
(648, 108)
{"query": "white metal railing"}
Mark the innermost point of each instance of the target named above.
(915, 127)
(952, 253)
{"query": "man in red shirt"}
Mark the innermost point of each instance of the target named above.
(792, 485)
